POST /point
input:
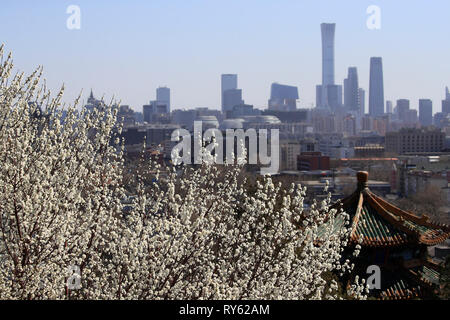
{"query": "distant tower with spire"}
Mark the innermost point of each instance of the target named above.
(91, 99)
(93, 103)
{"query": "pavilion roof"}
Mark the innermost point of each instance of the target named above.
(381, 224)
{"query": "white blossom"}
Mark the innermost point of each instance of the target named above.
(194, 234)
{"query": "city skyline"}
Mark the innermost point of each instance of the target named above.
(124, 66)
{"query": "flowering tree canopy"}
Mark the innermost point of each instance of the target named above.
(185, 234)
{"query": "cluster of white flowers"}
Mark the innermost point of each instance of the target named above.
(190, 234)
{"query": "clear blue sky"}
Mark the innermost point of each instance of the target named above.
(129, 48)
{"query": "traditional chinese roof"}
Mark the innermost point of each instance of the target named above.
(381, 224)
(401, 290)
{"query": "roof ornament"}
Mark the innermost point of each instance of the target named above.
(363, 178)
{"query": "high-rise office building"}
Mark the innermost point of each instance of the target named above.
(402, 109)
(231, 98)
(346, 92)
(389, 107)
(319, 102)
(163, 97)
(376, 87)
(228, 82)
(411, 117)
(322, 91)
(328, 30)
(147, 111)
(362, 100)
(351, 87)
(425, 112)
(339, 95)
(446, 102)
(446, 106)
(159, 109)
(334, 96)
(283, 97)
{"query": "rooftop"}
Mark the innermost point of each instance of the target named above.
(381, 224)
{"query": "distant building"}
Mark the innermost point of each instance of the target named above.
(231, 98)
(93, 103)
(208, 122)
(389, 107)
(411, 117)
(299, 115)
(425, 112)
(139, 117)
(243, 110)
(283, 97)
(410, 140)
(228, 82)
(349, 125)
(147, 111)
(446, 106)
(369, 151)
(163, 97)
(325, 90)
(376, 87)
(311, 161)
(289, 151)
(334, 96)
(156, 112)
(439, 119)
(328, 32)
(184, 118)
(362, 100)
(152, 134)
(367, 123)
(126, 115)
(402, 109)
(351, 90)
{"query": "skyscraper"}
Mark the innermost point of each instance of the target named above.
(446, 106)
(333, 96)
(346, 92)
(283, 97)
(389, 107)
(362, 101)
(231, 98)
(376, 88)
(163, 97)
(403, 109)
(351, 88)
(328, 31)
(446, 102)
(228, 82)
(425, 112)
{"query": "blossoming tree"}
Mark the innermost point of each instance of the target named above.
(188, 234)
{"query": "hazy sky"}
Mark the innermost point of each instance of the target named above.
(129, 48)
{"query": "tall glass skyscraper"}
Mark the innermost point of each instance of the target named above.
(351, 89)
(376, 88)
(228, 82)
(328, 30)
(163, 97)
(328, 85)
(283, 97)
(425, 112)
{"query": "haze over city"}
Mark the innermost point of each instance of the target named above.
(133, 47)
